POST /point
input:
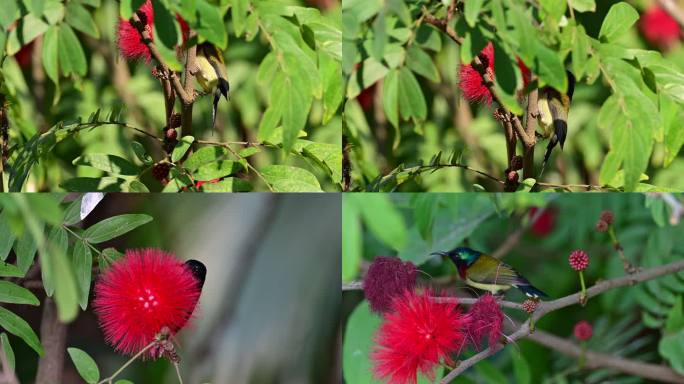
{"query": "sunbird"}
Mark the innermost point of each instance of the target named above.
(484, 272)
(553, 108)
(212, 75)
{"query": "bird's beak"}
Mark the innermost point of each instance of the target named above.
(443, 254)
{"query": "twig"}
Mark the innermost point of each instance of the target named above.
(129, 362)
(4, 140)
(626, 264)
(424, 168)
(513, 239)
(528, 146)
(8, 374)
(237, 155)
(353, 286)
(550, 306)
(676, 206)
(53, 337)
(598, 360)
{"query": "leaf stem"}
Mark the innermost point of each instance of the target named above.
(129, 362)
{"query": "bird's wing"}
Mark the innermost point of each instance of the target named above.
(488, 270)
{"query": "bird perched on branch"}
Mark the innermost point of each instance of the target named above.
(212, 74)
(484, 272)
(553, 115)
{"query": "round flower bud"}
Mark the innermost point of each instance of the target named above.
(579, 260)
(583, 331)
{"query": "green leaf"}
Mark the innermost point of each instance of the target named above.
(113, 227)
(10, 270)
(671, 347)
(46, 206)
(9, 14)
(72, 214)
(9, 353)
(379, 37)
(521, 367)
(85, 365)
(358, 341)
(58, 243)
(112, 164)
(66, 290)
(82, 261)
(390, 97)
(284, 178)
(166, 35)
(6, 236)
(216, 170)
(551, 69)
(239, 12)
(203, 156)
(89, 184)
(580, 51)
(25, 249)
(411, 99)
(619, 19)
(584, 5)
(127, 7)
(79, 17)
(107, 257)
(123, 382)
(228, 184)
(295, 110)
(382, 219)
(210, 23)
(352, 241)
(71, 56)
(333, 86)
(50, 53)
(328, 156)
(141, 154)
(422, 64)
(472, 11)
(15, 294)
(18, 327)
(181, 148)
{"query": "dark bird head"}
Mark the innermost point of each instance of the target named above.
(461, 255)
(199, 270)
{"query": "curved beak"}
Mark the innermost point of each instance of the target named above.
(443, 254)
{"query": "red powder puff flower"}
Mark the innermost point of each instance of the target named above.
(607, 216)
(485, 318)
(129, 39)
(544, 223)
(387, 277)
(416, 336)
(23, 57)
(141, 293)
(472, 83)
(583, 331)
(659, 28)
(579, 260)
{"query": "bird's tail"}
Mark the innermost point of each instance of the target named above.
(217, 97)
(528, 289)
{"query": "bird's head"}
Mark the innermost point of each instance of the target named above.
(460, 255)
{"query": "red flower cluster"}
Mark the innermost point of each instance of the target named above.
(388, 277)
(416, 336)
(545, 223)
(579, 260)
(472, 83)
(485, 318)
(530, 305)
(659, 28)
(583, 331)
(607, 216)
(140, 294)
(129, 39)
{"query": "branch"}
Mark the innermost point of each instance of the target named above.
(425, 168)
(528, 148)
(146, 36)
(550, 306)
(53, 337)
(599, 360)
(675, 205)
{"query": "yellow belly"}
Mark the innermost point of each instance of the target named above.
(493, 288)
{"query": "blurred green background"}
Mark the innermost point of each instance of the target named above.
(629, 322)
(269, 310)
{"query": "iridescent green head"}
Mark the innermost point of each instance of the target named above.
(461, 255)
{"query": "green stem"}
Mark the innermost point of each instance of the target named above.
(583, 295)
(129, 362)
(76, 235)
(180, 379)
(582, 356)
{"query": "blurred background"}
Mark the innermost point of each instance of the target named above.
(269, 310)
(630, 322)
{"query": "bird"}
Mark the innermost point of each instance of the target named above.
(198, 270)
(553, 109)
(487, 273)
(212, 75)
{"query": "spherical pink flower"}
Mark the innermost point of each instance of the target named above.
(416, 336)
(388, 277)
(485, 318)
(659, 28)
(583, 331)
(130, 41)
(607, 216)
(601, 226)
(530, 305)
(141, 293)
(472, 83)
(579, 260)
